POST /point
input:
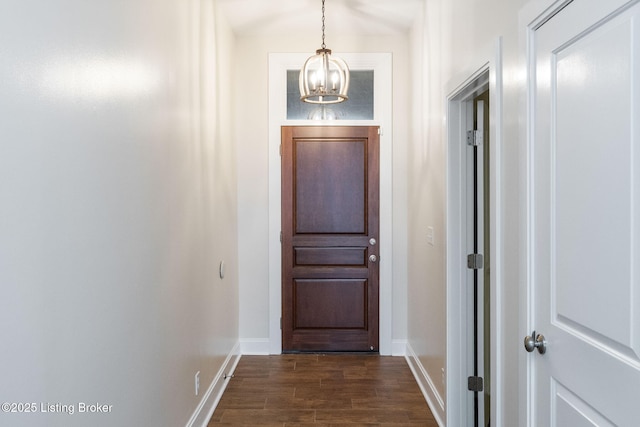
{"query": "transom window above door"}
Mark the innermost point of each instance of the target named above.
(359, 106)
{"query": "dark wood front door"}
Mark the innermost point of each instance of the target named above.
(330, 247)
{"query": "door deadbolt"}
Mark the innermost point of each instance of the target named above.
(539, 342)
(372, 241)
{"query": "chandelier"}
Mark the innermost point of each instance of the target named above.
(324, 79)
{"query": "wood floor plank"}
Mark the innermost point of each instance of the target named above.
(266, 416)
(315, 402)
(322, 391)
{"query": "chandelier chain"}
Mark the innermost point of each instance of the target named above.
(324, 46)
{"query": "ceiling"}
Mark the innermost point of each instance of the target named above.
(283, 17)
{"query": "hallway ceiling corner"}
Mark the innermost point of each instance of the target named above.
(283, 17)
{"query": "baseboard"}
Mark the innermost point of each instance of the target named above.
(399, 347)
(255, 346)
(431, 395)
(210, 399)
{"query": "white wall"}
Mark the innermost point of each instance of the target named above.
(450, 42)
(252, 130)
(117, 203)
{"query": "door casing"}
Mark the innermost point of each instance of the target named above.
(485, 75)
(381, 63)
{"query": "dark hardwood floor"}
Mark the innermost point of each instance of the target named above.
(322, 390)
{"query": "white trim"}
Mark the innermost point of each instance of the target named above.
(381, 63)
(254, 346)
(206, 407)
(399, 347)
(488, 61)
(429, 391)
(496, 225)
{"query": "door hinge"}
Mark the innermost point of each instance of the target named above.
(380, 130)
(475, 261)
(475, 384)
(474, 138)
(280, 149)
(281, 323)
(281, 237)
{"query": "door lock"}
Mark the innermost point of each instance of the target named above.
(539, 342)
(373, 258)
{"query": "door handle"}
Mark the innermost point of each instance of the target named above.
(373, 258)
(539, 342)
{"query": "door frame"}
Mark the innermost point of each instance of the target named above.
(381, 63)
(487, 73)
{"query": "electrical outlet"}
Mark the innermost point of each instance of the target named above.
(197, 382)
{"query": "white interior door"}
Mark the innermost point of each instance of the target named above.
(585, 215)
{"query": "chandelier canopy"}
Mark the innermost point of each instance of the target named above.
(324, 79)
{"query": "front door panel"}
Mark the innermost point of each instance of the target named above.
(330, 238)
